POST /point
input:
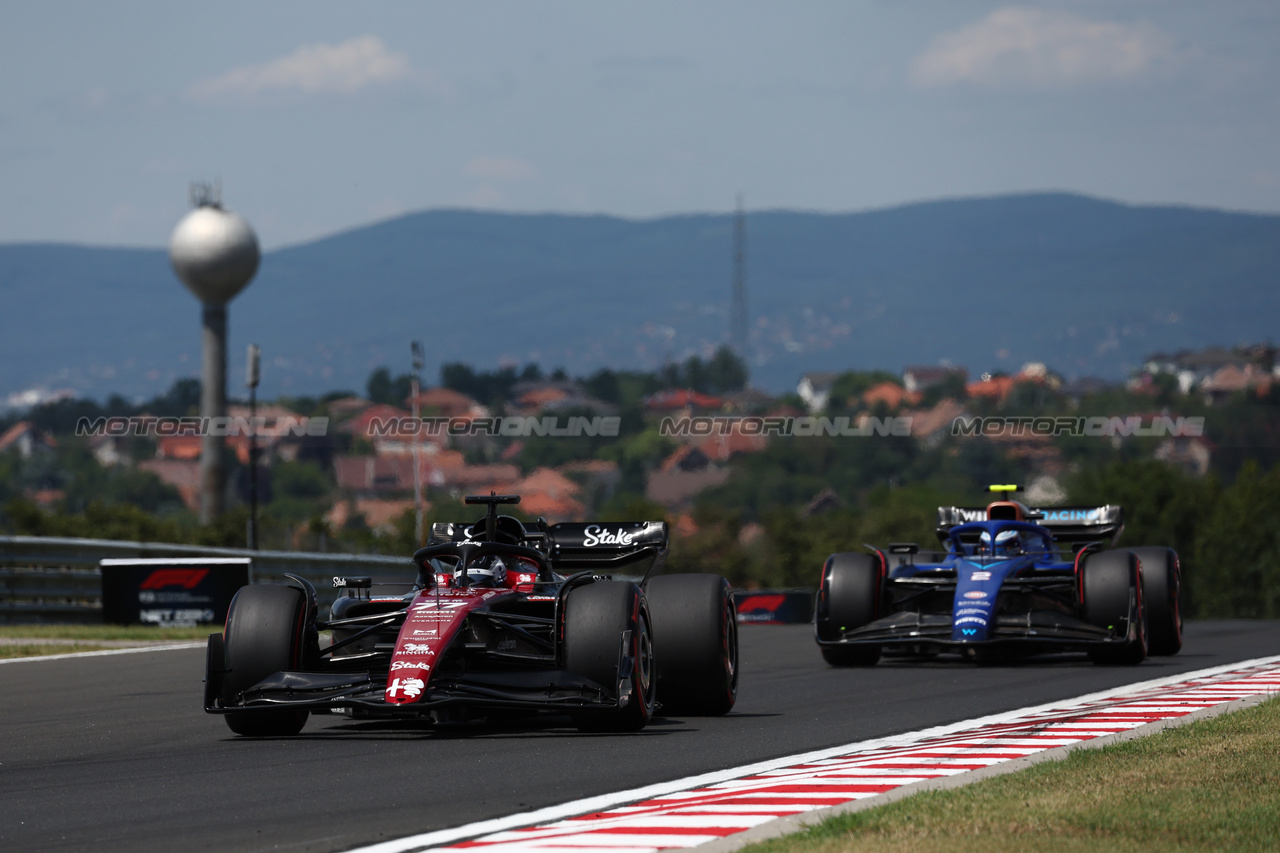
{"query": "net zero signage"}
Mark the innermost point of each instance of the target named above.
(177, 591)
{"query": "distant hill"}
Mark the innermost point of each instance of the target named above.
(1087, 286)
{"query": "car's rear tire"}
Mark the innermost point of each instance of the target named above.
(848, 598)
(596, 618)
(1161, 589)
(264, 634)
(1111, 595)
(695, 641)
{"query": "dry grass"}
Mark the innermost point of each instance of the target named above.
(32, 650)
(1212, 785)
(24, 641)
(106, 632)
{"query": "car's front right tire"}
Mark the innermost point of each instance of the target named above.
(264, 635)
(848, 598)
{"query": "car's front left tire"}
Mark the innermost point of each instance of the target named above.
(608, 636)
(695, 631)
(1111, 596)
(1161, 593)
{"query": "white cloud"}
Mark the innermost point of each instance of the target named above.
(484, 197)
(1017, 47)
(315, 69)
(499, 169)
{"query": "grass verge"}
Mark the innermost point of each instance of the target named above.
(68, 639)
(1211, 785)
(106, 632)
(35, 650)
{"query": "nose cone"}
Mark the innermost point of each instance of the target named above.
(215, 253)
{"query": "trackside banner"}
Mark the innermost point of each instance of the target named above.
(178, 591)
(774, 606)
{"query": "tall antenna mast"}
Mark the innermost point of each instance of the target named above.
(738, 320)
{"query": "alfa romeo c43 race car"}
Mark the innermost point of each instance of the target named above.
(503, 616)
(1012, 580)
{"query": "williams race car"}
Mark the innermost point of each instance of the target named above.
(503, 616)
(1012, 580)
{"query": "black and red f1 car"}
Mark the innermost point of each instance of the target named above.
(503, 615)
(1012, 580)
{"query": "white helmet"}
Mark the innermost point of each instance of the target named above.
(486, 571)
(1007, 542)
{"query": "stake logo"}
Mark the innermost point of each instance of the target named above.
(597, 535)
(410, 664)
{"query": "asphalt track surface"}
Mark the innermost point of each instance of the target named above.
(115, 753)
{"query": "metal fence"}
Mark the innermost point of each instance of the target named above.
(48, 579)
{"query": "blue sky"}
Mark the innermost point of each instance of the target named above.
(317, 117)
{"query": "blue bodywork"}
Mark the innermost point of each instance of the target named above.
(1004, 582)
(980, 574)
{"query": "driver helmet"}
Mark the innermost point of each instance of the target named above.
(486, 571)
(1007, 542)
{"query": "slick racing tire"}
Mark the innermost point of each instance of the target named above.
(848, 598)
(695, 643)
(597, 618)
(1161, 588)
(1111, 593)
(264, 635)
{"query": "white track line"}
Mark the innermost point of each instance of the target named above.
(130, 651)
(655, 817)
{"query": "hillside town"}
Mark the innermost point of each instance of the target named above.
(333, 464)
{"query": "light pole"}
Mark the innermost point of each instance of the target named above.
(251, 379)
(415, 347)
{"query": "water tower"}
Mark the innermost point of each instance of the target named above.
(215, 253)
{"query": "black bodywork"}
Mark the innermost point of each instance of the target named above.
(506, 651)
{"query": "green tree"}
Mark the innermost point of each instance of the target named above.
(382, 388)
(1236, 558)
(299, 491)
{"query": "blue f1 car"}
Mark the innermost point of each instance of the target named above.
(1012, 580)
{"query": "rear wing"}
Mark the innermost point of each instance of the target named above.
(1074, 524)
(601, 545)
(572, 545)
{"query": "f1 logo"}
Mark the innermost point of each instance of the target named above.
(185, 578)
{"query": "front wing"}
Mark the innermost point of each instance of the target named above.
(1051, 629)
(527, 689)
